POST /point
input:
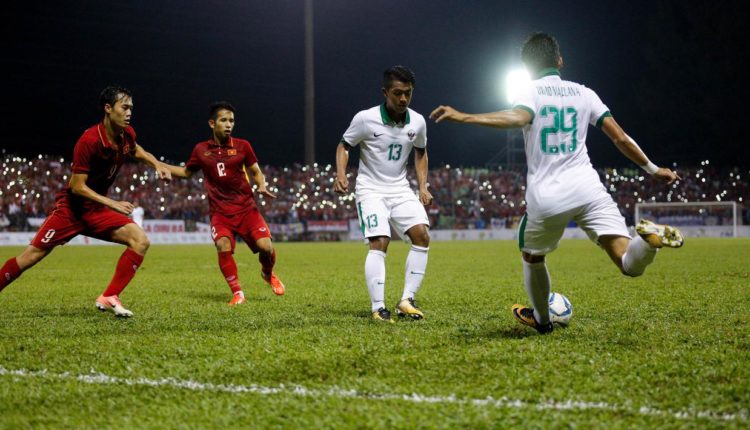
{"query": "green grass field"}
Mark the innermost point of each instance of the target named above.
(666, 350)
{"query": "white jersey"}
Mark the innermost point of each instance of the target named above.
(385, 146)
(560, 176)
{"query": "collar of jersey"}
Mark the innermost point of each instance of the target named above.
(212, 142)
(387, 119)
(548, 72)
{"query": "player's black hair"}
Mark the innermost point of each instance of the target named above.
(215, 107)
(540, 51)
(111, 94)
(398, 73)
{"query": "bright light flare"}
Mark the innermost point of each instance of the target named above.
(514, 80)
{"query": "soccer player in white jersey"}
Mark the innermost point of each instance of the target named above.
(561, 183)
(385, 135)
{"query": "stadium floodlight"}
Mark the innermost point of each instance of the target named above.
(513, 81)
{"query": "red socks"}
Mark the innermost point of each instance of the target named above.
(127, 265)
(229, 270)
(9, 272)
(267, 261)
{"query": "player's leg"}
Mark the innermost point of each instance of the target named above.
(59, 227)
(257, 235)
(14, 267)
(223, 237)
(130, 260)
(373, 216)
(410, 216)
(536, 238)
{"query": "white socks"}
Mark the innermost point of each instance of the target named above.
(416, 263)
(638, 256)
(375, 278)
(538, 285)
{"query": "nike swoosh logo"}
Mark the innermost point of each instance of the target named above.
(378, 135)
(417, 273)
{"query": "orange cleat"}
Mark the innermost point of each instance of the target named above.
(276, 285)
(237, 300)
(112, 303)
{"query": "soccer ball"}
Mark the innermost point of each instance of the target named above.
(560, 309)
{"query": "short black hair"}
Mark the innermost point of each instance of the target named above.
(398, 73)
(540, 51)
(111, 94)
(213, 110)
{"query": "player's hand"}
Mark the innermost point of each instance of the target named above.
(447, 113)
(425, 197)
(341, 186)
(264, 191)
(667, 175)
(123, 207)
(164, 173)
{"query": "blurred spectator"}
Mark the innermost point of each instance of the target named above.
(476, 198)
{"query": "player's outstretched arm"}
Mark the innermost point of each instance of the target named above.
(148, 158)
(630, 149)
(78, 187)
(341, 185)
(509, 118)
(260, 180)
(179, 171)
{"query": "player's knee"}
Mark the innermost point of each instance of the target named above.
(141, 243)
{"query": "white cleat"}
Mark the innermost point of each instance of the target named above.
(658, 235)
(114, 304)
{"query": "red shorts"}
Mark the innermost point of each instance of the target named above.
(248, 225)
(63, 224)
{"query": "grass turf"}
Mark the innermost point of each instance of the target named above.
(665, 350)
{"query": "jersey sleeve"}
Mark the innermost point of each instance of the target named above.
(83, 153)
(194, 162)
(599, 110)
(421, 140)
(356, 132)
(526, 99)
(250, 157)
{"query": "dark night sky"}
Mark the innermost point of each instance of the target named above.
(670, 72)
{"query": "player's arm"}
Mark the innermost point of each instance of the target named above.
(630, 149)
(509, 118)
(78, 187)
(179, 171)
(148, 158)
(260, 180)
(420, 165)
(341, 185)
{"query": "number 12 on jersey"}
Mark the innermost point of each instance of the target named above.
(558, 125)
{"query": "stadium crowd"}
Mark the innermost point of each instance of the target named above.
(465, 198)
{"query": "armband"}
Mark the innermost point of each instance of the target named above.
(650, 168)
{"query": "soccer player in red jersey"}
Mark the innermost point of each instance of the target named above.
(82, 207)
(225, 162)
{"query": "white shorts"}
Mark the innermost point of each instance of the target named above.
(377, 213)
(598, 218)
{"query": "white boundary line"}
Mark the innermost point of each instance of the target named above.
(297, 390)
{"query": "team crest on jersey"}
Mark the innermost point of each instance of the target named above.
(411, 134)
(231, 152)
(207, 154)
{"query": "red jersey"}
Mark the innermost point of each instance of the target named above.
(225, 174)
(96, 156)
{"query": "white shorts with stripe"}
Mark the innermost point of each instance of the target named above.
(378, 212)
(599, 218)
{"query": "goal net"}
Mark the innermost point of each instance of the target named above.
(709, 219)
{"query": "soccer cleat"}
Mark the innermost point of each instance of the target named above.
(658, 235)
(407, 308)
(276, 285)
(382, 314)
(237, 300)
(525, 316)
(114, 304)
